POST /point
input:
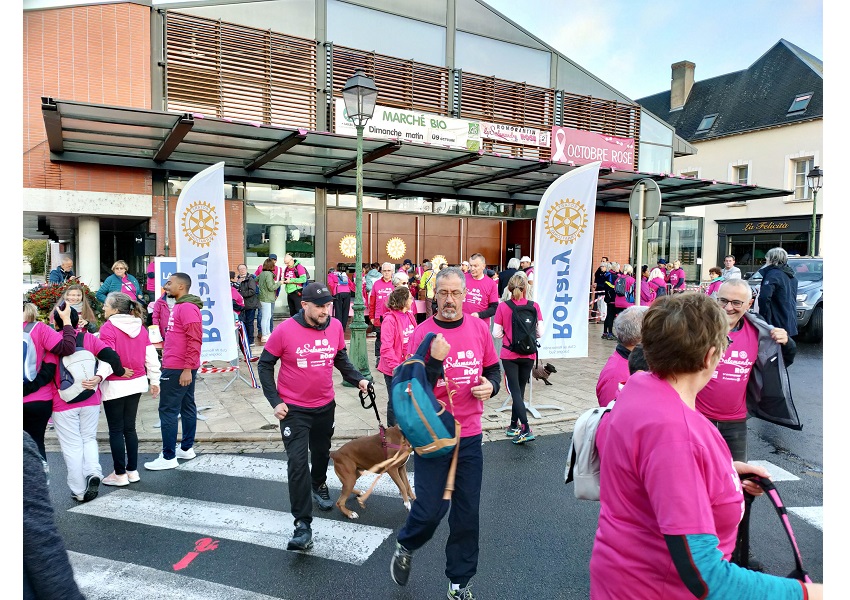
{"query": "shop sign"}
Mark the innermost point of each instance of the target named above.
(413, 126)
(584, 147)
(527, 136)
(766, 226)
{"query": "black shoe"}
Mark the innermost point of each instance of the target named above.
(323, 498)
(400, 565)
(92, 484)
(302, 539)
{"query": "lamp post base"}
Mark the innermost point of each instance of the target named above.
(358, 352)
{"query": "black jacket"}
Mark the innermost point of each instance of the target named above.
(504, 278)
(248, 290)
(777, 300)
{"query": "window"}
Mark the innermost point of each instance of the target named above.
(801, 185)
(694, 174)
(742, 174)
(706, 123)
(801, 101)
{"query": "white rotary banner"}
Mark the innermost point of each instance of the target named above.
(563, 261)
(201, 235)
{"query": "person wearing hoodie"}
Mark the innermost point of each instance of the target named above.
(309, 346)
(181, 359)
(125, 333)
(715, 283)
(777, 300)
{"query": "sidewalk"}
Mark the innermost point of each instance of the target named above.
(243, 416)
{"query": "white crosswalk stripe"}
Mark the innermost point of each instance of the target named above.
(344, 541)
(104, 579)
(776, 473)
(811, 514)
(275, 470)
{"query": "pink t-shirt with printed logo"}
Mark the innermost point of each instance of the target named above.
(504, 317)
(479, 294)
(378, 297)
(305, 377)
(43, 338)
(471, 350)
(724, 397)
(665, 470)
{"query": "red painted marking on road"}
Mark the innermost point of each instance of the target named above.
(202, 545)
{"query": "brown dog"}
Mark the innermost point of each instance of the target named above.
(364, 453)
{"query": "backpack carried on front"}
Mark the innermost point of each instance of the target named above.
(30, 355)
(523, 328)
(75, 369)
(582, 457)
(431, 429)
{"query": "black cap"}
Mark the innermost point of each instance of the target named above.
(316, 293)
(407, 261)
(661, 261)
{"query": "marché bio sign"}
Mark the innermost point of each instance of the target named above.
(413, 126)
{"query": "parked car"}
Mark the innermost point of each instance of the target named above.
(809, 272)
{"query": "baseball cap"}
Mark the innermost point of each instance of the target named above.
(661, 261)
(316, 293)
(273, 256)
(407, 261)
(525, 259)
(466, 262)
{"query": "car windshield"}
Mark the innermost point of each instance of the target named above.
(806, 269)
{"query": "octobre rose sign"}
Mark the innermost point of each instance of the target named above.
(583, 147)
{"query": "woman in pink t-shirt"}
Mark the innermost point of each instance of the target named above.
(399, 322)
(517, 367)
(715, 283)
(670, 495)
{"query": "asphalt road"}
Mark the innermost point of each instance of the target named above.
(536, 538)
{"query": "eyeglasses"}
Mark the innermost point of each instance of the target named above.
(456, 294)
(724, 301)
(404, 283)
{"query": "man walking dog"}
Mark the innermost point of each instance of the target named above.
(462, 360)
(309, 346)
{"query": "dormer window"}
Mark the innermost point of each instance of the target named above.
(706, 123)
(801, 101)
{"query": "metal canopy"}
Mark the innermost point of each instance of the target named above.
(186, 143)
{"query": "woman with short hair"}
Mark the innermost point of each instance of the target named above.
(657, 283)
(670, 494)
(397, 325)
(121, 281)
(125, 333)
(716, 274)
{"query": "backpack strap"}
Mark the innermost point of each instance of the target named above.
(81, 336)
(30, 326)
(425, 345)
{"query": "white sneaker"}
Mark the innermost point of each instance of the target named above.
(116, 480)
(133, 476)
(161, 464)
(184, 454)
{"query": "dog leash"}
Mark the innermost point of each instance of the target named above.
(370, 392)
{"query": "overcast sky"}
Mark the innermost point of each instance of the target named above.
(630, 44)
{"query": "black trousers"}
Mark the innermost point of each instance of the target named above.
(248, 316)
(517, 373)
(609, 317)
(376, 326)
(342, 303)
(121, 419)
(388, 379)
(36, 416)
(293, 299)
(304, 429)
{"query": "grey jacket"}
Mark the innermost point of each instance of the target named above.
(769, 389)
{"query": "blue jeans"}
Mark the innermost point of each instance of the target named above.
(247, 317)
(176, 399)
(266, 314)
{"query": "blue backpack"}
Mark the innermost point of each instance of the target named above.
(342, 278)
(431, 430)
(30, 356)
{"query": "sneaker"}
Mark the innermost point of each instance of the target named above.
(302, 538)
(323, 497)
(116, 480)
(78, 497)
(133, 476)
(524, 436)
(92, 485)
(512, 431)
(184, 454)
(464, 593)
(604, 336)
(400, 565)
(161, 464)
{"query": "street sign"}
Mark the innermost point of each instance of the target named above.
(651, 203)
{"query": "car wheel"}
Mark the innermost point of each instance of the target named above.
(814, 331)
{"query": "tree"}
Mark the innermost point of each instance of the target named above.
(35, 251)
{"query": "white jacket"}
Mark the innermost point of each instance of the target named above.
(132, 326)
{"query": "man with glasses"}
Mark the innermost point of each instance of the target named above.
(381, 290)
(462, 358)
(753, 342)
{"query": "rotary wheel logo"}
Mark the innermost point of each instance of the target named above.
(200, 223)
(566, 221)
(437, 261)
(396, 248)
(348, 246)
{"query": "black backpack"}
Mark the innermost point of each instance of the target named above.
(523, 328)
(620, 286)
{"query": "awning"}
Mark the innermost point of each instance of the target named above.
(187, 143)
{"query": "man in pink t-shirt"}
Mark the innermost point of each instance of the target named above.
(181, 359)
(482, 293)
(309, 346)
(381, 290)
(463, 360)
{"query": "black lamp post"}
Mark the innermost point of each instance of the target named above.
(359, 94)
(815, 180)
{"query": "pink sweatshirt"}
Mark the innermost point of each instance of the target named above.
(182, 348)
(395, 335)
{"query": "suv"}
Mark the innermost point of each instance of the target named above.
(809, 273)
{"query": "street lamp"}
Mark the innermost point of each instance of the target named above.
(359, 94)
(815, 180)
